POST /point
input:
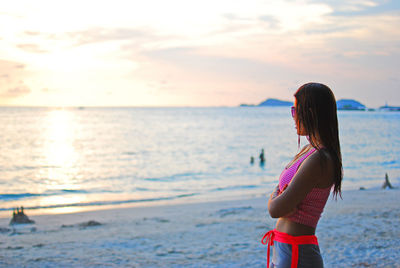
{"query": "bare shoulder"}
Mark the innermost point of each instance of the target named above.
(321, 163)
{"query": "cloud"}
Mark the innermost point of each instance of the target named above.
(193, 59)
(8, 14)
(89, 36)
(48, 90)
(12, 75)
(11, 69)
(271, 21)
(181, 70)
(100, 34)
(32, 48)
(32, 33)
(231, 16)
(16, 91)
(234, 23)
(329, 29)
(354, 8)
(355, 20)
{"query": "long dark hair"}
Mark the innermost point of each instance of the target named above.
(316, 113)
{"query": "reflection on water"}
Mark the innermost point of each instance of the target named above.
(59, 155)
(59, 149)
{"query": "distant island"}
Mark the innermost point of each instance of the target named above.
(269, 102)
(348, 104)
(275, 102)
(342, 104)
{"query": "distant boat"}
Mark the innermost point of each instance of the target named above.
(387, 108)
(350, 105)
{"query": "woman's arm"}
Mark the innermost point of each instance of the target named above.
(305, 179)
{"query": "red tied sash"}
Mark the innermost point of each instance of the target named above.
(295, 241)
(268, 239)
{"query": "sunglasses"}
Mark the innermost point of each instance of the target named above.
(293, 111)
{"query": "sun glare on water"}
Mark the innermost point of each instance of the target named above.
(61, 158)
(60, 151)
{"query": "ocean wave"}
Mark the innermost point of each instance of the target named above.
(234, 187)
(129, 153)
(20, 168)
(105, 203)
(142, 189)
(175, 177)
(18, 196)
(389, 163)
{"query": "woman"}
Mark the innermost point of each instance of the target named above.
(306, 182)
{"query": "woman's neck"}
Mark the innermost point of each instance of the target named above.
(315, 141)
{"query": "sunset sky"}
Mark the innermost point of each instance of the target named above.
(196, 53)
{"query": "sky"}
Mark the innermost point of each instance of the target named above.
(196, 53)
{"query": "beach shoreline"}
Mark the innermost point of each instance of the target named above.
(358, 231)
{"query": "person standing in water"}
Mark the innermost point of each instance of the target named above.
(306, 182)
(262, 157)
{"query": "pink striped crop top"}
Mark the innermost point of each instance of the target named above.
(309, 210)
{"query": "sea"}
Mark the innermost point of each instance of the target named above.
(63, 160)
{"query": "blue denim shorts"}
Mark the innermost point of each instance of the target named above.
(309, 256)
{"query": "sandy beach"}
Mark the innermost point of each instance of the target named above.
(359, 231)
